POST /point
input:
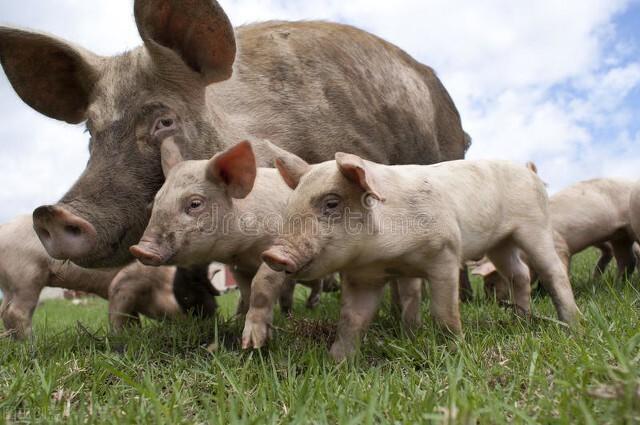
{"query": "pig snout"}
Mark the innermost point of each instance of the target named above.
(278, 260)
(149, 253)
(64, 234)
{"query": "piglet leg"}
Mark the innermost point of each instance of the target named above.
(443, 272)
(409, 298)
(265, 290)
(17, 310)
(359, 305)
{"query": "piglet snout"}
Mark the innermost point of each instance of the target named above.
(147, 254)
(278, 260)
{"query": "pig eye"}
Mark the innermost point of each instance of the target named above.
(194, 204)
(331, 204)
(163, 125)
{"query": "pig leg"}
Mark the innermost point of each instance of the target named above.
(514, 273)
(537, 243)
(409, 298)
(18, 310)
(466, 292)
(267, 286)
(606, 255)
(625, 258)
(286, 296)
(244, 285)
(396, 305)
(443, 273)
(360, 303)
(122, 305)
(316, 290)
(330, 283)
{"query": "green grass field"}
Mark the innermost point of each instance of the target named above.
(505, 370)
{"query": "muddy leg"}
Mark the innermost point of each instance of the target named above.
(286, 296)
(359, 305)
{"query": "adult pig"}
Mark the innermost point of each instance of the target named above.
(311, 87)
(374, 222)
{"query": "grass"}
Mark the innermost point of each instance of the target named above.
(505, 370)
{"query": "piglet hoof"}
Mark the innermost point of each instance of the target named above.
(522, 312)
(341, 351)
(256, 332)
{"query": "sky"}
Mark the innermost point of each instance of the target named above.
(555, 82)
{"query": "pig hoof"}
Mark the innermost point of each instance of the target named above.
(339, 352)
(255, 334)
(521, 312)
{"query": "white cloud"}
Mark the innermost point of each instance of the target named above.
(542, 80)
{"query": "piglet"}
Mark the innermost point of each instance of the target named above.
(374, 222)
(26, 268)
(224, 209)
(592, 213)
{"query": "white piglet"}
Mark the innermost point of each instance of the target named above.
(374, 222)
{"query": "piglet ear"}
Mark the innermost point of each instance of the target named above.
(532, 166)
(483, 269)
(355, 169)
(235, 168)
(291, 168)
(169, 155)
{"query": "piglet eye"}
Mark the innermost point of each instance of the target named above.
(194, 204)
(331, 204)
(163, 125)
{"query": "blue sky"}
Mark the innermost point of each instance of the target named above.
(549, 81)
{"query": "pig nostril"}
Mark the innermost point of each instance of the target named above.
(44, 233)
(73, 230)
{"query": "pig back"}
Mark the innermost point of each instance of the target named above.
(590, 212)
(315, 88)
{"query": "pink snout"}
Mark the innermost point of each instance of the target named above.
(148, 254)
(64, 235)
(278, 260)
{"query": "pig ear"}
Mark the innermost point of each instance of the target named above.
(197, 30)
(169, 155)
(291, 168)
(483, 269)
(235, 168)
(532, 166)
(355, 169)
(48, 74)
